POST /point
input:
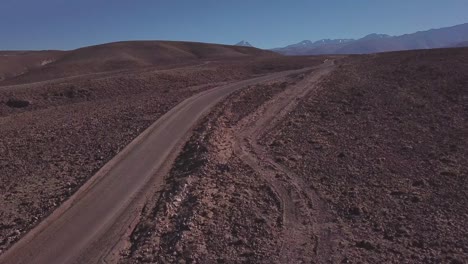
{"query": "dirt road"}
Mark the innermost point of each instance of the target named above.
(91, 225)
(228, 199)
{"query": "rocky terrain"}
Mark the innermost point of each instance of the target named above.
(221, 203)
(383, 143)
(58, 133)
(362, 159)
(365, 164)
(214, 208)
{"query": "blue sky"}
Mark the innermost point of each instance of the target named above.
(69, 24)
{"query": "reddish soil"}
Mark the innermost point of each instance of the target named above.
(384, 144)
(361, 162)
(27, 67)
(212, 209)
(15, 63)
(58, 133)
(222, 203)
(370, 166)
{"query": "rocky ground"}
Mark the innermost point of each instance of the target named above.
(207, 211)
(216, 207)
(369, 166)
(384, 144)
(56, 134)
(364, 161)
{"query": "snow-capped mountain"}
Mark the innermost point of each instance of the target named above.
(372, 43)
(375, 36)
(244, 43)
(322, 46)
(310, 44)
(331, 41)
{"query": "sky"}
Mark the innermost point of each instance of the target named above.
(70, 24)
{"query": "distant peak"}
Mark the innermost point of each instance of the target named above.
(332, 41)
(244, 43)
(306, 42)
(376, 36)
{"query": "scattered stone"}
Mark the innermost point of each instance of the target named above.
(365, 245)
(18, 103)
(419, 183)
(415, 199)
(355, 211)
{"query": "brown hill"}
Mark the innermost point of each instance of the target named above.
(14, 63)
(124, 56)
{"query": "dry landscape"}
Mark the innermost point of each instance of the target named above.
(57, 133)
(372, 164)
(358, 159)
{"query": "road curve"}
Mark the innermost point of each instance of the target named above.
(89, 225)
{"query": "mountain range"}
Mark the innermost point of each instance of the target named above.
(456, 36)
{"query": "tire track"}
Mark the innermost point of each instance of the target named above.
(300, 205)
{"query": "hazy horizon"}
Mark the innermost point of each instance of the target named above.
(53, 24)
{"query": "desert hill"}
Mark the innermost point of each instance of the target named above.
(39, 66)
(14, 63)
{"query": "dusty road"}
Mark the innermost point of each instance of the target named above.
(91, 225)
